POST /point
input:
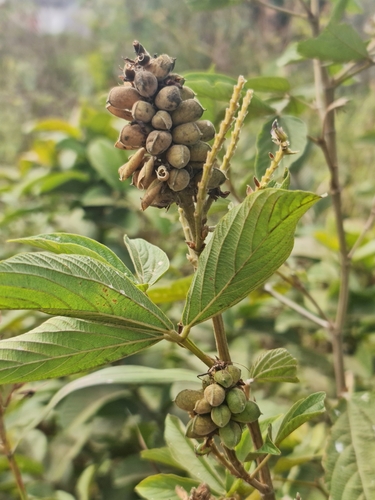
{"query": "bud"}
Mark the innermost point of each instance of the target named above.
(214, 394)
(230, 435)
(221, 415)
(202, 426)
(249, 414)
(235, 373)
(236, 400)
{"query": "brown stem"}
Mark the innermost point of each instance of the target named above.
(221, 338)
(264, 472)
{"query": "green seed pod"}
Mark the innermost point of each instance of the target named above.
(202, 406)
(120, 113)
(202, 449)
(187, 398)
(230, 435)
(207, 128)
(132, 136)
(161, 66)
(143, 111)
(158, 141)
(187, 133)
(162, 120)
(206, 381)
(236, 400)
(178, 155)
(123, 97)
(146, 83)
(199, 151)
(188, 111)
(249, 414)
(235, 373)
(178, 179)
(214, 394)
(224, 378)
(187, 93)
(202, 426)
(168, 98)
(221, 415)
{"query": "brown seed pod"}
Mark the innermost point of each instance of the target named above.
(221, 415)
(217, 178)
(161, 66)
(143, 111)
(187, 398)
(214, 394)
(120, 113)
(188, 111)
(230, 435)
(134, 163)
(202, 406)
(146, 175)
(164, 199)
(151, 193)
(123, 97)
(207, 128)
(162, 120)
(236, 400)
(132, 136)
(202, 426)
(178, 179)
(178, 155)
(196, 165)
(162, 173)
(187, 134)
(168, 98)
(158, 141)
(187, 93)
(146, 83)
(199, 151)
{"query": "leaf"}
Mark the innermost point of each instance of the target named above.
(249, 244)
(337, 43)
(350, 453)
(150, 262)
(268, 447)
(302, 411)
(268, 84)
(55, 180)
(163, 486)
(338, 11)
(161, 456)
(296, 130)
(171, 291)
(199, 5)
(56, 125)
(106, 160)
(182, 449)
(68, 243)
(276, 365)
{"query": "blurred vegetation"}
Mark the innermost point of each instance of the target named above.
(58, 172)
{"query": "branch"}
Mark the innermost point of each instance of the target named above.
(365, 229)
(279, 9)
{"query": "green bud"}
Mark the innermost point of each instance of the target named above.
(200, 426)
(249, 414)
(236, 400)
(230, 435)
(202, 406)
(224, 378)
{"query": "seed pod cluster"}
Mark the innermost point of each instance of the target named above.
(220, 407)
(165, 123)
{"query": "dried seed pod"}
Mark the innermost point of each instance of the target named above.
(202, 406)
(249, 414)
(158, 141)
(224, 378)
(199, 151)
(235, 373)
(217, 178)
(146, 175)
(168, 98)
(162, 120)
(143, 111)
(214, 394)
(161, 66)
(132, 136)
(162, 173)
(178, 155)
(146, 83)
(178, 179)
(188, 111)
(134, 163)
(187, 398)
(120, 113)
(187, 93)
(221, 415)
(123, 97)
(151, 193)
(207, 128)
(202, 426)
(230, 435)
(196, 165)
(236, 400)
(187, 134)
(164, 199)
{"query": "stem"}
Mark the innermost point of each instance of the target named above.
(280, 9)
(261, 465)
(189, 344)
(264, 471)
(221, 338)
(10, 456)
(366, 228)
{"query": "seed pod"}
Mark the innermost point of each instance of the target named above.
(206, 381)
(236, 400)
(132, 136)
(164, 199)
(217, 178)
(146, 83)
(123, 97)
(202, 406)
(151, 193)
(202, 426)
(187, 133)
(161, 66)
(143, 178)
(187, 93)
(221, 415)
(188, 111)
(224, 378)
(235, 373)
(214, 394)
(249, 414)
(120, 113)
(134, 163)
(162, 173)
(207, 128)
(158, 141)
(187, 398)
(143, 111)
(178, 179)
(202, 449)
(162, 120)
(199, 151)
(230, 435)
(196, 165)
(168, 98)
(178, 155)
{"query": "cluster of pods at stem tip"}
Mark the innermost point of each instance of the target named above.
(166, 128)
(220, 407)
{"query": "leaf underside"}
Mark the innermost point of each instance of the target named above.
(276, 365)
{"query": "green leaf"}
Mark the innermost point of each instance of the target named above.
(171, 291)
(337, 43)
(338, 11)
(302, 411)
(150, 262)
(161, 456)
(249, 244)
(296, 130)
(163, 486)
(106, 160)
(68, 243)
(55, 180)
(268, 447)
(199, 5)
(276, 365)
(182, 449)
(350, 453)
(268, 84)
(55, 125)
